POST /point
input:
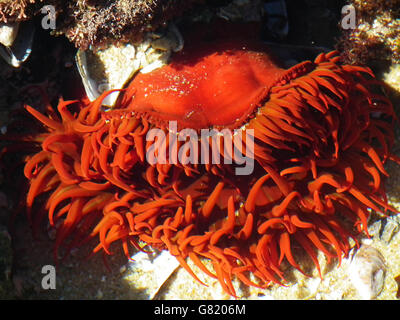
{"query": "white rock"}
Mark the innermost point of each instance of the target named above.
(151, 271)
(367, 272)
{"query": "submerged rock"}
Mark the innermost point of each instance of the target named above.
(5, 264)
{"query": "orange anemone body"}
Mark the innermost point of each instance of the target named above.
(206, 87)
(321, 132)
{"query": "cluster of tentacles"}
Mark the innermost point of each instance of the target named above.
(321, 138)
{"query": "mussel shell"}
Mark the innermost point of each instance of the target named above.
(20, 47)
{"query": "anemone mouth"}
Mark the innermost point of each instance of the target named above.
(219, 86)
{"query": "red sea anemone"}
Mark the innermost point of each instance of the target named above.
(321, 133)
